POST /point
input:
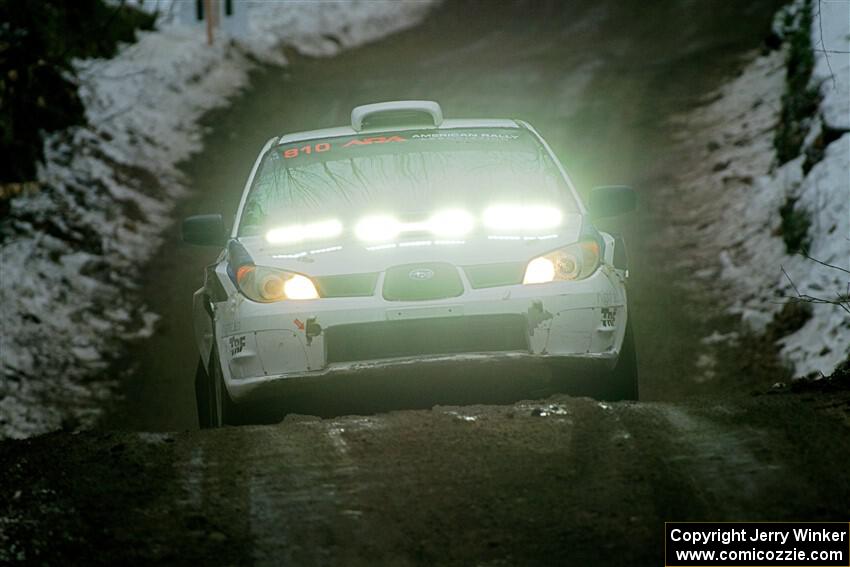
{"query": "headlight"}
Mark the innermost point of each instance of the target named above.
(574, 262)
(268, 285)
(299, 232)
(528, 217)
(451, 222)
(377, 228)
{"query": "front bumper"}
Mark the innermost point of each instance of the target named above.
(264, 347)
(263, 388)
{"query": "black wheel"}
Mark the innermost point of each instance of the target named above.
(202, 396)
(621, 383)
(215, 408)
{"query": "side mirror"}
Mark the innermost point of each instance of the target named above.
(204, 230)
(611, 200)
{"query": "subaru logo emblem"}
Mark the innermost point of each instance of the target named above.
(421, 274)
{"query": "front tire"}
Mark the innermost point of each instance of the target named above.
(621, 383)
(215, 409)
(202, 396)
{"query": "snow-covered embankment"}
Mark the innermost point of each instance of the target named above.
(71, 253)
(763, 217)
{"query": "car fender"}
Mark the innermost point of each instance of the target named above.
(615, 254)
(608, 254)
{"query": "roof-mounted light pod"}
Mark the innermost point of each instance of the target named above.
(397, 113)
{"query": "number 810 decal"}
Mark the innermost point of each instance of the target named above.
(308, 149)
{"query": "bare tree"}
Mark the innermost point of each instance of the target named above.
(840, 300)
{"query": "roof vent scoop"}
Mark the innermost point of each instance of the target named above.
(397, 113)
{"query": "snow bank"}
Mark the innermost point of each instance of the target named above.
(831, 38)
(738, 190)
(71, 253)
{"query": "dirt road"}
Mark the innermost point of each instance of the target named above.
(569, 481)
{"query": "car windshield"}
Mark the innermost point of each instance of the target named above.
(406, 173)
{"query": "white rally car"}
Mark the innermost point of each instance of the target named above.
(407, 239)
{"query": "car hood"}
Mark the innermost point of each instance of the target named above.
(339, 257)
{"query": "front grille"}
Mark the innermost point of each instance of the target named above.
(414, 337)
(493, 275)
(349, 285)
(419, 282)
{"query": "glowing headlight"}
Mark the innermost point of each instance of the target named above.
(500, 217)
(452, 222)
(377, 228)
(299, 287)
(268, 285)
(575, 262)
(299, 232)
(542, 217)
(532, 217)
(539, 270)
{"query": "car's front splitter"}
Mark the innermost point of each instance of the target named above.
(265, 388)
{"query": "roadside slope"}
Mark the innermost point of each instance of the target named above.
(768, 221)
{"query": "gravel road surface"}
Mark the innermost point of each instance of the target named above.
(567, 481)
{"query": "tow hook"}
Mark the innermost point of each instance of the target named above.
(312, 329)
